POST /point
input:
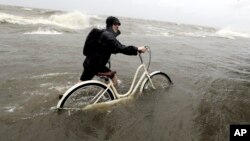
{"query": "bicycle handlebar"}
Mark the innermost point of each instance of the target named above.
(149, 51)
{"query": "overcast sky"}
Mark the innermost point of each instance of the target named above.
(219, 13)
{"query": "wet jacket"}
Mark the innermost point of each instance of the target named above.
(109, 45)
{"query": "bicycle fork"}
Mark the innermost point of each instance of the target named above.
(150, 80)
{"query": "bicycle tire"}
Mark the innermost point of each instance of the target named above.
(81, 96)
(160, 81)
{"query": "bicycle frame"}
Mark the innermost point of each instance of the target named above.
(133, 88)
(110, 86)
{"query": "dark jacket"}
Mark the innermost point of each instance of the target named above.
(109, 45)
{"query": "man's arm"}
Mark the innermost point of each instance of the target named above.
(116, 47)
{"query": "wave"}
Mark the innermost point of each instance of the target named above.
(44, 31)
(194, 34)
(27, 9)
(229, 33)
(74, 20)
(95, 17)
(223, 33)
(71, 20)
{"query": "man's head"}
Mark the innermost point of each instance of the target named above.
(113, 22)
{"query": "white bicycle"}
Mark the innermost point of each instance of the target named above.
(94, 91)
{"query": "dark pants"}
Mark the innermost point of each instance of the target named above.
(91, 68)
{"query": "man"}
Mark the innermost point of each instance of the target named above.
(96, 64)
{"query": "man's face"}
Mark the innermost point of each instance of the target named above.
(115, 27)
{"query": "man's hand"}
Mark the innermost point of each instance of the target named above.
(142, 49)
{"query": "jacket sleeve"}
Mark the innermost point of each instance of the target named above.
(116, 47)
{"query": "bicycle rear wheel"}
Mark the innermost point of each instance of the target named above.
(88, 93)
(160, 81)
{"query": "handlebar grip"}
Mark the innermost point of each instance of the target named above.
(147, 47)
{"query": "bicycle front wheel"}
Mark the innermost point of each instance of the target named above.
(85, 94)
(159, 81)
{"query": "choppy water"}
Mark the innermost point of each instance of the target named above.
(41, 57)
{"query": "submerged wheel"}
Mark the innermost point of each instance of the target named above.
(85, 94)
(160, 81)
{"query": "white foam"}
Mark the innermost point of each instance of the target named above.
(224, 33)
(231, 34)
(72, 20)
(10, 109)
(46, 84)
(61, 89)
(95, 17)
(166, 34)
(194, 34)
(27, 9)
(48, 75)
(44, 31)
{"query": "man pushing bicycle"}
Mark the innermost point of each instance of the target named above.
(99, 46)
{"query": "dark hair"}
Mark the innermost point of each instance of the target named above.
(112, 21)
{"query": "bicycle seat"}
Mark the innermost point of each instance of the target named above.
(109, 74)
